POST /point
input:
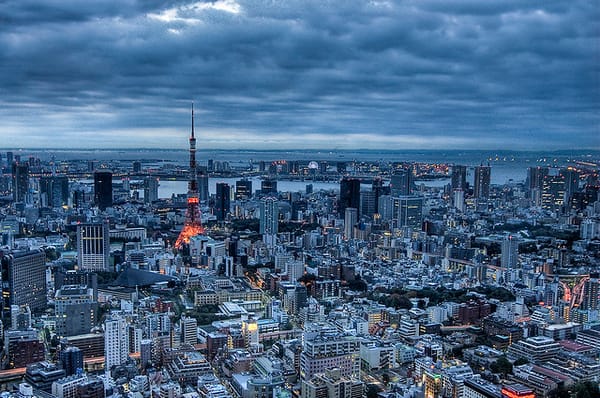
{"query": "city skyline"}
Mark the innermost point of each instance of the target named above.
(328, 75)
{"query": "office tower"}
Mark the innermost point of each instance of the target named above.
(368, 203)
(350, 220)
(189, 330)
(268, 186)
(71, 360)
(243, 189)
(535, 177)
(222, 203)
(54, 191)
(591, 293)
(410, 211)
(116, 344)
(76, 310)
(401, 183)
(349, 194)
(203, 193)
(9, 158)
(24, 279)
(269, 216)
(93, 249)
(20, 181)
(137, 167)
(150, 189)
(458, 199)
(482, 182)
(553, 192)
(459, 177)
(193, 224)
(571, 182)
(510, 252)
(103, 189)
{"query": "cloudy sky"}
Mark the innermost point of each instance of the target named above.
(506, 74)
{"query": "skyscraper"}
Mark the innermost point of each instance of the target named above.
(482, 182)
(116, 344)
(20, 181)
(268, 186)
(349, 194)
(401, 183)
(192, 225)
(591, 293)
(93, 248)
(54, 191)
(510, 252)
(553, 192)
(103, 189)
(459, 177)
(222, 203)
(24, 279)
(410, 211)
(203, 185)
(150, 189)
(243, 189)
(269, 216)
(350, 220)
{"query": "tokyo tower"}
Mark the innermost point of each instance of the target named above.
(193, 224)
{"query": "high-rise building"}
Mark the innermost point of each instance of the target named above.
(482, 182)
(401, 183)
(410, 211)
(553, 192)
(137, 167)
(203, 193)
(151, 189)
(71, 360)
(93, 249)
(103, 192)
(591, 293)
(350, 221)
(243, 189)
(459, 177)
(20, 181)
(116, 344)
(326, 349)
(268, 186)
(349, 194)
(222, 203)
(269, 216)
(571, 182)
(368, 203)
(24, 279)
(54, 191)
(510, 252)
(76, 310)
(189, 330)
(9, 158)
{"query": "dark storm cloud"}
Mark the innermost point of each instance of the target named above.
(517, 74)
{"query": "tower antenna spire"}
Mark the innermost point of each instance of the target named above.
(192, 119)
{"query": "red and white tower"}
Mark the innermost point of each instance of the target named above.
(193, 224)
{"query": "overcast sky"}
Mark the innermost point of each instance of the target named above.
(423, 74)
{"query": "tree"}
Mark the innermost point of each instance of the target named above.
(586, 389)
(501, 365)
(521, 361)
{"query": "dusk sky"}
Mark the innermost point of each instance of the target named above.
(422, 74)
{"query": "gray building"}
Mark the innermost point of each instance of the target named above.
(76, 310)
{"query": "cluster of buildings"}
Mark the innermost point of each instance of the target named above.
(382, 287)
